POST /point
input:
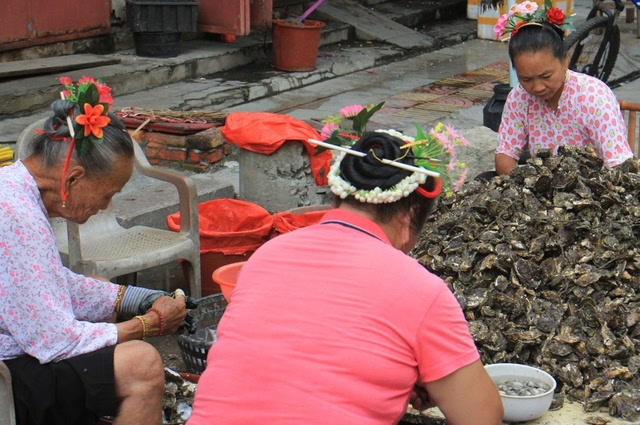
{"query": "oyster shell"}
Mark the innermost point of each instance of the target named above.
(551, 272)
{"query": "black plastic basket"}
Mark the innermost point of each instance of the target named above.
(194, 350)
(162, 16)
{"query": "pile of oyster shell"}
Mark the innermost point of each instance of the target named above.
(546, 266)
(178, 398)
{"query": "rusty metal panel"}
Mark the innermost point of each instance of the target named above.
(224, 17)
(261, 12)
(52, 18)
(26, 23)
(14, 22)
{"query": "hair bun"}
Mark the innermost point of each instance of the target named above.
(368, 172)
(56, 126)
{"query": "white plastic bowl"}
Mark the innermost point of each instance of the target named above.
(522, 408)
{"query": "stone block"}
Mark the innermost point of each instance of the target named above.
(280, 181)
(164, 139)
(205, 140)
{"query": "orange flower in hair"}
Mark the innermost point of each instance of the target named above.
(94, 99)
(93, 120)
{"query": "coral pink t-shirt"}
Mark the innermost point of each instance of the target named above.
(330, 324)
(588, 114)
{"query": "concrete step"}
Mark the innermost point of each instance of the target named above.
(25, 99)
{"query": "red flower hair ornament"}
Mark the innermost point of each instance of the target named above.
(528, 13)
(94, 101)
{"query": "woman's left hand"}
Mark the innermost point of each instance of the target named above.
(419, 398)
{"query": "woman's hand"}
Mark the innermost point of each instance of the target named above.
(505, 164)
(419, 398)
(165, 316)
(170, 313)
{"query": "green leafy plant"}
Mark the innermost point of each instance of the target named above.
(348, 126)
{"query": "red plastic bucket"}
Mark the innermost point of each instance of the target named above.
(295, 45)
(230, 231)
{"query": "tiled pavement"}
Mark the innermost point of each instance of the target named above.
(438, 100)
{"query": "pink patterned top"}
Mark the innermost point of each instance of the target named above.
(46, 310)
(588, 115)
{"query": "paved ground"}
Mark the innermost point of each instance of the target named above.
(457, 99)
(449, 84)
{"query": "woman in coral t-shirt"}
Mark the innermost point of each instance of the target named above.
(553, 106)
(335, 324)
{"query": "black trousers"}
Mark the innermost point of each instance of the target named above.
(75, 391)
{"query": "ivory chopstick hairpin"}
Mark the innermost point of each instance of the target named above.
(69, 123)
(384, 160)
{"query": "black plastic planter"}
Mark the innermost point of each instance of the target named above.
(157, 44)
(492, 111)
(157, 25)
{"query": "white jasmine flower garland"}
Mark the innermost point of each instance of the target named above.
(433, 150)
(403, 188)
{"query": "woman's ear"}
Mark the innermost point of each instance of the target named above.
(406, 237)
(74, 174)
(565, 62)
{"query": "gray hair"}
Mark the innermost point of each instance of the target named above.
(52, 149)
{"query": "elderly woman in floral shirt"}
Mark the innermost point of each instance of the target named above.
(553, 106)
(70, 364)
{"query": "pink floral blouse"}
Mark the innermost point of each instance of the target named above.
(46, 310)
(588, 115)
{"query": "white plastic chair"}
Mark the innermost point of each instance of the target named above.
(102, 247)
(7, 408)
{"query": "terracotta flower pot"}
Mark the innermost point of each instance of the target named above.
(296, 44)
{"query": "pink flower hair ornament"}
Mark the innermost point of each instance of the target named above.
(436, 150)
(349, 125)
(528, 13)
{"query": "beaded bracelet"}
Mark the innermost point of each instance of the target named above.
(161, 317)
(145, 326)
(119, 297)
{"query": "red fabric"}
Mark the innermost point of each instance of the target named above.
(264, 132)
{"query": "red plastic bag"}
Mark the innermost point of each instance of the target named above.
(229, 226)
(264, 132)
(286, 221)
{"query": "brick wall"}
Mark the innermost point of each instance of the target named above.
(197, 152)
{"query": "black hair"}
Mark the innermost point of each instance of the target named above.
(369, 172)
(51, 147)
(534, 38)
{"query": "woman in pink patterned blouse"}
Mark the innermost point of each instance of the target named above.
(553, 106)
(70, 362)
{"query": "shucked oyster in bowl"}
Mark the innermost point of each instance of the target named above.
(526, 391)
